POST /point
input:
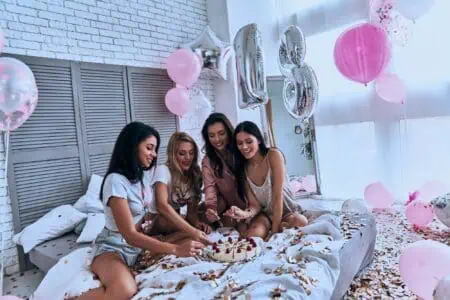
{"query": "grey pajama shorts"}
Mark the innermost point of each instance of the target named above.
(111, 241)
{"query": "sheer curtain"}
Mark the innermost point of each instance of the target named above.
(362, 139)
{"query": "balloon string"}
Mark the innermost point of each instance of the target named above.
(4, 202)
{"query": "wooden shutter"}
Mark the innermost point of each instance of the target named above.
(46, 169)
(148, 88)
(105, 111)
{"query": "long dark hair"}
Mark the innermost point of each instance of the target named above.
(239, 160)
(124, 158)
(216, 162)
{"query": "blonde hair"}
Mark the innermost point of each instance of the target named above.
(194, 174)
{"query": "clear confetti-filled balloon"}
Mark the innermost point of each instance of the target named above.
(18, 93)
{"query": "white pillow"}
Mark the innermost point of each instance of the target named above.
(90, 202)
(53, 224)
(94, 225)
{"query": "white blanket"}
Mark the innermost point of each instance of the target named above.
(305, 269)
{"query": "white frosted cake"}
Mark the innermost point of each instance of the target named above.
(232, 249)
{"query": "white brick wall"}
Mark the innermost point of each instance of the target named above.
(125, 32)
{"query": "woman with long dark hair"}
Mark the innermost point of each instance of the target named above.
(262, 180)
(219, 179)
(126, 193)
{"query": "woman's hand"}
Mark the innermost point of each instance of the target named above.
(238, 214)
(201, 237)
(211, 215)
(203, 227)
(189, 248)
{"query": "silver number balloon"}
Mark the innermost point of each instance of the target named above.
(292, 50)
(252, 90)
(301, 93)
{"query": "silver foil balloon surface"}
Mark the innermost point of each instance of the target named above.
(252, 89)
(294, 42)
(301, 92)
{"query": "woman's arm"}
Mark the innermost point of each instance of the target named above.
(209, 182)
(276, 162)
(164, 208)
(124, 220)
(252, 210)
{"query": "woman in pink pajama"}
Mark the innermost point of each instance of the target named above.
(220, 185)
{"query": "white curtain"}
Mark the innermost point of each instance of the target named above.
(362, 139)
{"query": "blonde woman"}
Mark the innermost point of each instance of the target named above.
(176, 184)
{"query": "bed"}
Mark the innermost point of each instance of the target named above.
(320, 265)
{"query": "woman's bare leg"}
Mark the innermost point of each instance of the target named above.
(117, 280)
(293, 220)
(259, 227)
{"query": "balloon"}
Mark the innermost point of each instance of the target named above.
(183, 67)
(397, 27)
(354, 206)
(413, 9)
(390, 88)
(433, 189)
(177, 101)
(200, 108)
(441, 206)
(2, 41)
(419, 213)
(301, 94)
(18, 93)
(442, 290)
(214, 53)
(423, 264)
(378, 196)
(9, 297)
(292, 49)
(362, 52)
(252, 90)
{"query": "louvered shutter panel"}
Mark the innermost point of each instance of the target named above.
(147, 92)
(46, 169)
(106, 111)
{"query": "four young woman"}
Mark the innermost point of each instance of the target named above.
(245, 186)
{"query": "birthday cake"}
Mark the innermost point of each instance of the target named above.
(233, 249)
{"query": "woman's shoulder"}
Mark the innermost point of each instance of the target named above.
(275, 155)
(206, 162)
(162, 174)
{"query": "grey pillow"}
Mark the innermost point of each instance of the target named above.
(79, 228)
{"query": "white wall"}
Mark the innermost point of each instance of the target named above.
(124, 32)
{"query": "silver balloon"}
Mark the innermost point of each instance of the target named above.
(442, 290)
(441, 206)
(301, 93)
(354, 206)
(252, 90)
(294, 41)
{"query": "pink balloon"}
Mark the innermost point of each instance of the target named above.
(423, 264)
(419, 213)
(390, 88)
(362, 52)
(378, 196)
(433, 189)
(177, 101)
(184, 67)
(18, 93)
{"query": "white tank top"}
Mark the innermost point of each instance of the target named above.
(263, 194)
